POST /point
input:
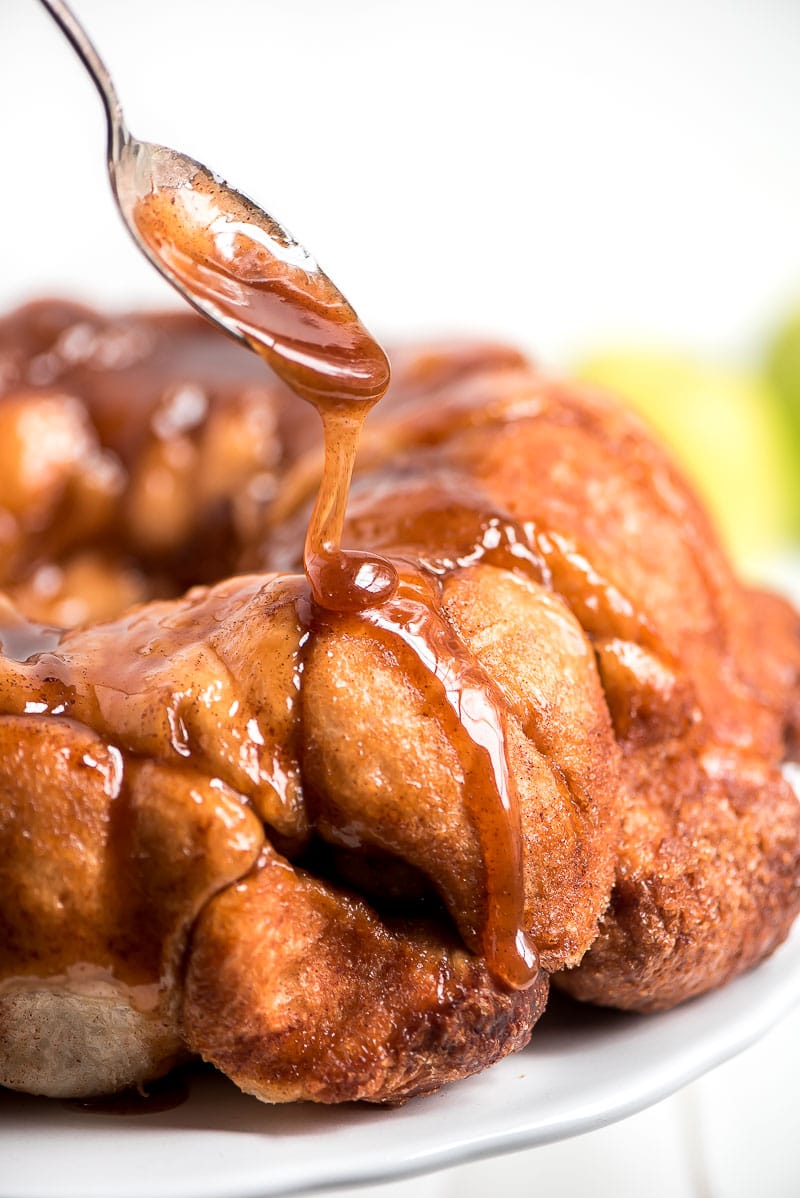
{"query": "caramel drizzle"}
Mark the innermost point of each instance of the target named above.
(243, 266)
(344, 580)
(240, 263)
(246, 270)
(470, 710)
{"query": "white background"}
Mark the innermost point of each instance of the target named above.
(558, 174)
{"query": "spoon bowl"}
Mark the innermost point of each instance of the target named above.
(193, 247)
(240, 268)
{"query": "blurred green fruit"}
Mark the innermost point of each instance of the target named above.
(782, 368)
(727, 429)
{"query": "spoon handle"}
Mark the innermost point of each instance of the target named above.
(71, 27)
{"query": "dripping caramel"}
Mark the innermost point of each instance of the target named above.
(226, 253)
(241, 266)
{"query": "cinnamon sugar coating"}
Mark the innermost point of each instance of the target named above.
(246, 833)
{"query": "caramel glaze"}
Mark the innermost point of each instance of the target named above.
(166, 682)
(465, 702)
(239, 264)
(164, 1094)
(120, 678)
(450, 525)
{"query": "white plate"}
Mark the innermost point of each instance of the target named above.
(584, 1068)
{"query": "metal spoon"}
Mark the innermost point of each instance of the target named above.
(240, 268)
(139, 169)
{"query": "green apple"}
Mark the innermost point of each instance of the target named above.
(727, 429)
(782, 368)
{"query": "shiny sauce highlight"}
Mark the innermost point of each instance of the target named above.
(470, 709)
(244, 270)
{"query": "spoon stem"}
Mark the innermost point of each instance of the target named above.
(71, 27)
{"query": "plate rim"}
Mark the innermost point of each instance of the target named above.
(739, 1014)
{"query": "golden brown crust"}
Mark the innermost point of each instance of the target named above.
(695, 667)
(642, 687)
(708, 880)
(103, 870)
(562, 750)
(383, 774)
(771, 652)
(190, 691)
(297, 990)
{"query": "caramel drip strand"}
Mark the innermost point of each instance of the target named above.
(240, 267)
(467, 706)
